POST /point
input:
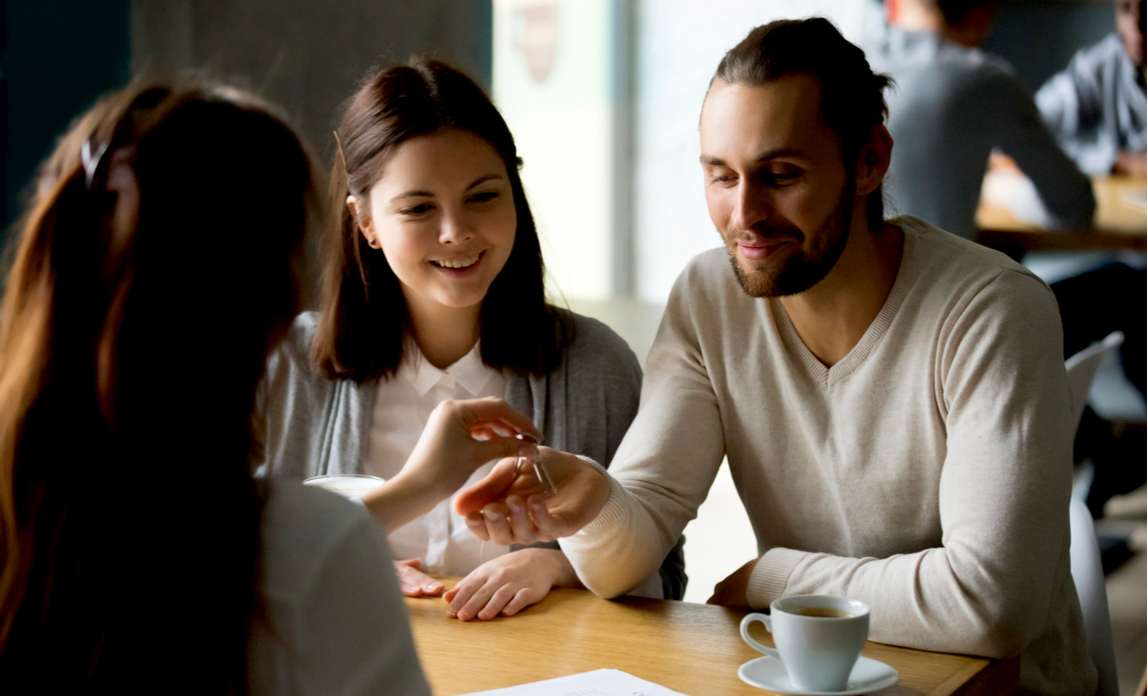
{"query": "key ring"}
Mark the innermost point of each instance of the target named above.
(539, 469)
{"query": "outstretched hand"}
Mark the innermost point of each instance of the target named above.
(460, 437)
(511, 506)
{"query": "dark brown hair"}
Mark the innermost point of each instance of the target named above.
(362, 310)
(130, 350)
(852, 95)
(954, 12)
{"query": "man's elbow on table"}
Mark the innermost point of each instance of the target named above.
(997, 635)
(610, 582)
(1000, 620)
(1059, 213)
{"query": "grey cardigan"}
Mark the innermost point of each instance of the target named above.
(307, 425)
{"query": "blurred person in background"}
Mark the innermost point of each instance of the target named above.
(1098, 110)
(433, 290)
(951, 106)
(1097, 106)
(156, 269)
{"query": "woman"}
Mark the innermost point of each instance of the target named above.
(154, 273)
(433, 289)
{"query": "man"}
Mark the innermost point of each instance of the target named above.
(951, 106)
(1097, 107)
(891, 398)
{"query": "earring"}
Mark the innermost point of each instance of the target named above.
(373, 243)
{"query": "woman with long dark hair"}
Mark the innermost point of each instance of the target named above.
(155, 271)
(433, 289)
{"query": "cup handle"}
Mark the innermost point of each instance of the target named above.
(764, 618)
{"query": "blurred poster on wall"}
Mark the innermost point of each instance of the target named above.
(553, 82)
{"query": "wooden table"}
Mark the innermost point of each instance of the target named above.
(1120, 223)
(694, 649)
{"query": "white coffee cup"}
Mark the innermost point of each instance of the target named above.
(346, 485)
(818, 638)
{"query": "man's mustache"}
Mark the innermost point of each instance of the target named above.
(767, 234)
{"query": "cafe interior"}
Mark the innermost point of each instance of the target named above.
(603, 98)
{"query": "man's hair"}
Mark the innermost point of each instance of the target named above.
(852, 95)
(954, 12)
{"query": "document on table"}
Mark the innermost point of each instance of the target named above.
(600, 682)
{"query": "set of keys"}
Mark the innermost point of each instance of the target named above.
(540, 471)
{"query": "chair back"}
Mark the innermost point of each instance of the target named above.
(1087, 571)
(1088, 576)
(1082, 370)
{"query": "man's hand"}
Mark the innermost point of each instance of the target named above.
(508, 584)
(509, 505)
(1131, 163)
(733, 591)
(414, 582)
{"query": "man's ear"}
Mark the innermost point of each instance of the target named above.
(365, 223)
(873, 160)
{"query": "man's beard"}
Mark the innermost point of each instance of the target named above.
(802, 272)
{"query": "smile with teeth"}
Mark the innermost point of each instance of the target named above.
(458, 263)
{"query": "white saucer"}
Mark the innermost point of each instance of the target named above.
(867, 676)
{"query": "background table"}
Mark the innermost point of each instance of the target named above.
(691, 648)
(1120, 222)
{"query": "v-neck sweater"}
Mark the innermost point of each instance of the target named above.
(927, 473)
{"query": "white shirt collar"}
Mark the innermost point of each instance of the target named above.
(469, 371)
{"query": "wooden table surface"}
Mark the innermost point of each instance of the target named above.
(1120, 222)
(694, 649)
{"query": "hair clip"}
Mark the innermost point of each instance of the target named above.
(91, 162)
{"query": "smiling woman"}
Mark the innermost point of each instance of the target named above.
(434, 291)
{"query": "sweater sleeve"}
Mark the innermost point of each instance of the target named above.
(663, 468)
(1065, 193)
(989, 589)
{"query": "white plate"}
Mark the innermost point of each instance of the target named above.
(867, 676)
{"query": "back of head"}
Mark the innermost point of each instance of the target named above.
(852, 95)
(363, 311)
(956, 12)
(154, 272)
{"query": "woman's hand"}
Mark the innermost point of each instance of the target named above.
(414, 582)
(459, 438)
(509, 584)
(510, 506)
(448, 452)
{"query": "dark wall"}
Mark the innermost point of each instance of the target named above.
(58, 56)
(1039, 37)
(308, 55)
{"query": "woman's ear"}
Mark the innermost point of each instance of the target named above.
(873, 160)
(365, 223)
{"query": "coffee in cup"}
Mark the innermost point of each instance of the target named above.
(824, 612)
(346, 485)
(818, 638)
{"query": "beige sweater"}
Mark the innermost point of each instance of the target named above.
(928, 473)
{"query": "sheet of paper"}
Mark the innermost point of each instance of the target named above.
(600, 682)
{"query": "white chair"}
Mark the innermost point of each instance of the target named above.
(1087, 573)
(1088, 577)
(1082, 370)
